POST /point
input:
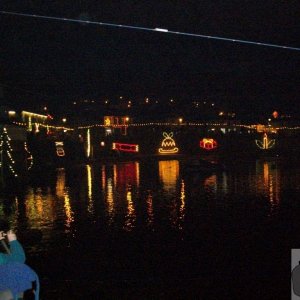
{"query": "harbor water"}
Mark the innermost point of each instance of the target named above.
(143, 229)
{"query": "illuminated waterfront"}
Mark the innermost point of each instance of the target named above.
(127, 228)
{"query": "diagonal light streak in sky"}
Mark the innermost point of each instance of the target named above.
(157, 29)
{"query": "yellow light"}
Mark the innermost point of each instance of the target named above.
(88, 141)
(90, 189)
(30, 114)
(60, 148)
(68, 211)
(168, 173)
(131, 215)
(150, 213)
(11, 113)
(168, 145)
(266, 143)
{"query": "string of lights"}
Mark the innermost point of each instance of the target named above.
(254, 126)
(7, 150)
(29, 158)
(157, 29)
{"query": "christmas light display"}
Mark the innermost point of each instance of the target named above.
(6, 153)
(168, 145)
(208, 144)
(29, 157)
(117, 122)
(234, 127)
(265, 143)
(125, 147)
(60, 148)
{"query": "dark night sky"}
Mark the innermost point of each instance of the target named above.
(54, 61)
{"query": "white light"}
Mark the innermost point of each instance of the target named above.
(11, 113)
(161, 29)
(151, 29)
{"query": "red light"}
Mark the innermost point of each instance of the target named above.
(208, 144)
(125, 147)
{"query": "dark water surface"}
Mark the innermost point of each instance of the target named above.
(144, 230)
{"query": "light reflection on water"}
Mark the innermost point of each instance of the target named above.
(168, 174)
(150, 214)
(90, 207)
(115, 190)
(123, 208)
(268, 182)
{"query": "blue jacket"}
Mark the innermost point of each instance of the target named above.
(17, 254)
(14, 274)
(17, 278)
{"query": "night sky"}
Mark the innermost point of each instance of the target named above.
(48, 61)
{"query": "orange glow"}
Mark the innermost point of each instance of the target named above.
(107, 121)
(269, 181)
(168, 173)
(275, 114)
